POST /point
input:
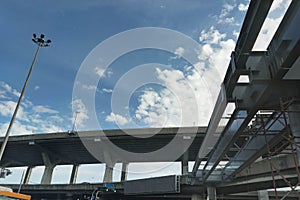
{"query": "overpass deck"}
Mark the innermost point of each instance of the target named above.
(65, 148)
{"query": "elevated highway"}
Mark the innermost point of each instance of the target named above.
(70, 148)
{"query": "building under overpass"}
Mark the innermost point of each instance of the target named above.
(259, 143)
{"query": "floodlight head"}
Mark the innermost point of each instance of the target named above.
(41, 41)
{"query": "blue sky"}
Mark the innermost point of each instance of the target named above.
(76, 28)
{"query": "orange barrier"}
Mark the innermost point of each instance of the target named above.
(15, 195)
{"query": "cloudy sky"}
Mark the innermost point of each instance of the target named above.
(178, 92)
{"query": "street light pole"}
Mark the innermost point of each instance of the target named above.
(40, 41)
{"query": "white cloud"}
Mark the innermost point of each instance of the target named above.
(279, 4)
(107, 90)
(188, 97)
(26, 103)
(213, 36)
(44, 109)
(7, 89)
(51, 128)
(103, 72)
(159, 109)
(2, 94)
(271, 24)
(227, 8)
(224, 17)
(81, 113)
(118, 119)
(35, 125)
(100, 71)
(187, 93)
(36, 87)
(267, 32)
(215, 52)
(56, 118)
(184, 101)
(243, 7)
(227, 20)
(236, 34)
(17, 128)
(7, 108)
(30, 118)
(89, 87)
(179, 52)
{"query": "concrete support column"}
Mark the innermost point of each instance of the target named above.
(124, 171)
(108, 175)
(294, 118)
(185, 163)
(74, 174)
(47, 175)
(27, 175)
(263, 195)
(110, 163)
(49, 167)
(211, 193)
(197, 197)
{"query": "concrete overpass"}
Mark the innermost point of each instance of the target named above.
(259, 143)
(68, 148)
